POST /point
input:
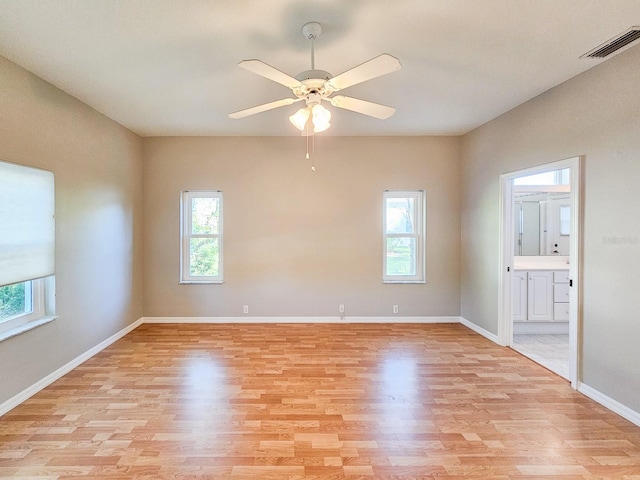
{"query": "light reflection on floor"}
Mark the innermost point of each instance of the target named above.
(398, 393)
(205, 388)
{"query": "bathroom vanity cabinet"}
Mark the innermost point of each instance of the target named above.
(540, 295)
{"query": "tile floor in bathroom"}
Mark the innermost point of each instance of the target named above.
(551, 351)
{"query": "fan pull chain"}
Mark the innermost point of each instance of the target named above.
(313, 149)
(307, 138)
(311, 156)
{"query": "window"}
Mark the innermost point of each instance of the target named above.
(553, 177)
(27, 248)
(22, 303)
(201, 245)
(403, 236)
(16, 300)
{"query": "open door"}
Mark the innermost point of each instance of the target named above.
(552, 278)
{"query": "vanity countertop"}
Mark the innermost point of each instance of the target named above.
(541, 263)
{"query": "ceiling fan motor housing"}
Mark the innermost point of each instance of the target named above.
(320, 75)
(313, 82)
(313, 98)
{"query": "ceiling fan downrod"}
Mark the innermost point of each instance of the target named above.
(311, 31)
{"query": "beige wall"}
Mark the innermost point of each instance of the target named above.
(299, 243)
(97, 167)
(596, 115)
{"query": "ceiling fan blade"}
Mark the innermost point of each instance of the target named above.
(263, 108)
(362, 106)
(264, 70)
(376, 67)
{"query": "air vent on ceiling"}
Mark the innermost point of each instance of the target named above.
(616, 43)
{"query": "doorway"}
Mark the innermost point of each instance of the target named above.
(539, 285)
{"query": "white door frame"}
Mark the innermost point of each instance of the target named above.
(505, 323)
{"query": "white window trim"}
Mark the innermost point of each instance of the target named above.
(419, 235)
(185, 236)
(43, 299)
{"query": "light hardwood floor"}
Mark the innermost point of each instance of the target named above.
(319, 401)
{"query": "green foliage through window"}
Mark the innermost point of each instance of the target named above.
(204, 257)
(401, 256)
(14, 300)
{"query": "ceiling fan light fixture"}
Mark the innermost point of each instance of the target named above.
(300, 118)
(320, 118)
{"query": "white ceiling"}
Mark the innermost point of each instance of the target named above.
(169, 67)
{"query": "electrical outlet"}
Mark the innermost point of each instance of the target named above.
(395, 309)
(341, 308)
(245, 308)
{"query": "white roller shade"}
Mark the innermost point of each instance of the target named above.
(27, 223)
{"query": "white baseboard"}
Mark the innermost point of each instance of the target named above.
(346, 319)
(479, 330)
(52, 377)
(610, 403)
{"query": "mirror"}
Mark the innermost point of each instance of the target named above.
(542, 209)
(541, 222)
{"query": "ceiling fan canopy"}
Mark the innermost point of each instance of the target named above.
(315, 86)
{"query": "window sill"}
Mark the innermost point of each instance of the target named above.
(202, 282)
(404, 281)
(25, 327)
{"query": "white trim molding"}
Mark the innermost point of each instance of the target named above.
(394, 319)
(610, 403)
(479, 330)
(53, 376)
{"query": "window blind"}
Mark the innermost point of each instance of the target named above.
(27, 223)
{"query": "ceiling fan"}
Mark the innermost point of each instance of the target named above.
(315, 86)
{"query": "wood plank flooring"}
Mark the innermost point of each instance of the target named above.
(299, 401)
